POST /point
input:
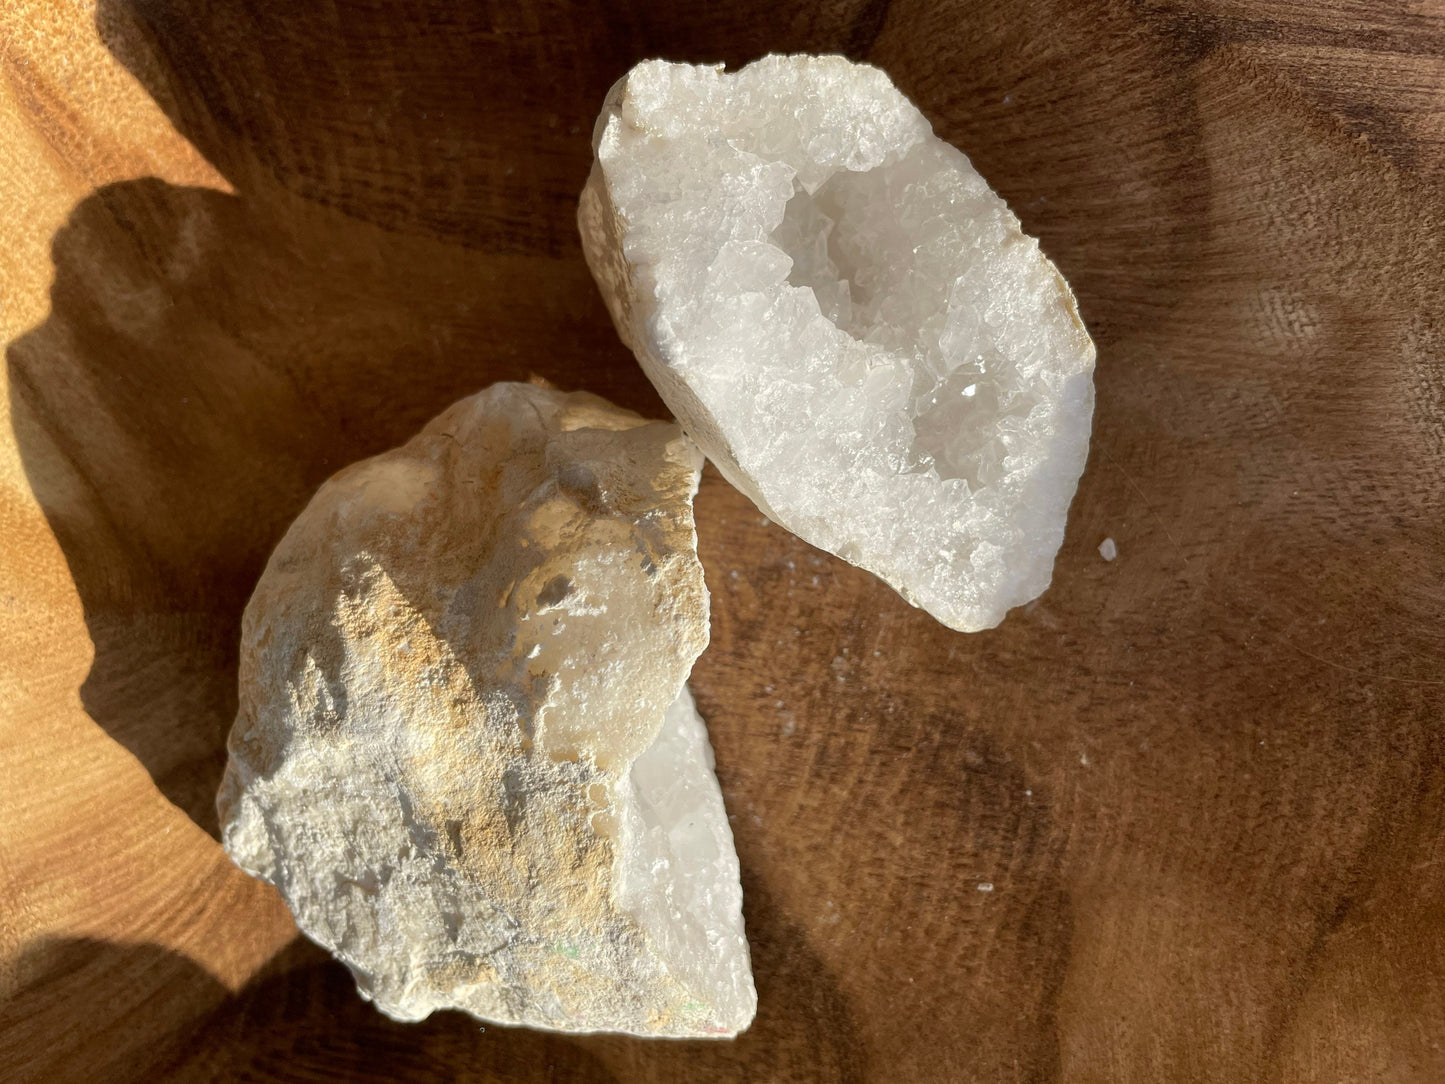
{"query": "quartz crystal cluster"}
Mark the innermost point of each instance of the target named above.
(847, 320)
(465, 753)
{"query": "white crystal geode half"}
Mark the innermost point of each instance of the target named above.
(464, 752)
(847, 320)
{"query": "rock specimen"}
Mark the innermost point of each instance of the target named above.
(847, 320)
(464, 751)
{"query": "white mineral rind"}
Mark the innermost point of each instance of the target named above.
(847, 320)
(464, 752)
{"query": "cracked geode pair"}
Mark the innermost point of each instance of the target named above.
(465, 753)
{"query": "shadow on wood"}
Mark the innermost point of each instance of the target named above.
(71, 1017)
(173, 417)
(298, 1020)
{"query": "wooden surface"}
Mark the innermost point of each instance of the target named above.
(243, 244)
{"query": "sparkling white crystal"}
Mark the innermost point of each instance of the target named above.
(464, 752)
(847, 320)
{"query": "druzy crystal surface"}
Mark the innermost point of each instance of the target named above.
(847, 319)
(464, 751)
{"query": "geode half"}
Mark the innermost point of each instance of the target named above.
(847, 320)
(465, 754)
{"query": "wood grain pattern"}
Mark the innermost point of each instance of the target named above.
(244, 244)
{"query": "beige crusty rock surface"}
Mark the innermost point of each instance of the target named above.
(465, 753)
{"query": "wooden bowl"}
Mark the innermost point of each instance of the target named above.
(1178, 819)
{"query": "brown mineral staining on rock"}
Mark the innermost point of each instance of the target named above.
(465, 754)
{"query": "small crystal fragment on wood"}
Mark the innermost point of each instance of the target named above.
(465, 754)
(847, 320)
